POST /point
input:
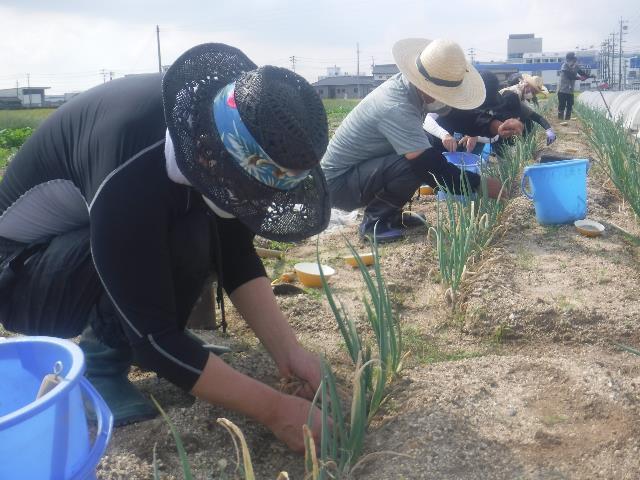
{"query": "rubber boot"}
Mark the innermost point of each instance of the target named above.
(560, 115)
(384, 233)
(107, 370)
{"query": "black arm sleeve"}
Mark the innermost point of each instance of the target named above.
(240, 262)
(540, 120)
(529, 113)
(433, 169)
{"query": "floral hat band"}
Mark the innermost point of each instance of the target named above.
(244, 149)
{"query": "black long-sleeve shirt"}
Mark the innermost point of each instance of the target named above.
(99, 161)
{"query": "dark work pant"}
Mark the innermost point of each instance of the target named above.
(57, 291)
(381, 185)
(565, 105)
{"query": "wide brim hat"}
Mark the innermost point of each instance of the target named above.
(283, 114)
(535, 82)
(439, 69)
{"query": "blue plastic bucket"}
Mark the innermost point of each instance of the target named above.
(485, 153)
(464, 161)
(48, 438)
(558, 190)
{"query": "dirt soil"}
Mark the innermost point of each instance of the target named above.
(521, 381)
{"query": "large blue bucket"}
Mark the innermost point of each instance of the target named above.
(464, 161)
(48, 438)
(558, 190)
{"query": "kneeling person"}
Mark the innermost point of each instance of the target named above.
(380, 154)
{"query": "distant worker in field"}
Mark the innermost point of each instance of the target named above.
(569, 73)
(515, 103)
(380, 154)
(528, 87)
(519, 79)
(124, 201)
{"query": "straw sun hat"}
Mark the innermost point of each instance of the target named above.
(439, 69)
(535, 82)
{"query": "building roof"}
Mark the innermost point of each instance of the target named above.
(385, 69)
(13, 89)
(342, 80)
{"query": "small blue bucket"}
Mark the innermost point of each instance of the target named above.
(48, 437)
(465, 161)
(485, 153)
(558, 190)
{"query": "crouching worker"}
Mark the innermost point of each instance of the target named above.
(118, 208)
(471, 125)
(516, 101)
(380, 154)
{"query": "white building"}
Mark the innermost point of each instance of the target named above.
(520, 44)
(384, 72)
(27, 96)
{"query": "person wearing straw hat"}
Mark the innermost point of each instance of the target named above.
(117, 209)
(527, 87)
(380, 153)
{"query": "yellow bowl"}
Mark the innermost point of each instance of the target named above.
(309, 273)
(589, 228)
(426, 190)
(367, 259)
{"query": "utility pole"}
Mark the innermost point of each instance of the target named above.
(622, 29)
(292, 58)
(472, 54)
(158, 40)
(605, 61)
(17, 89)
(29, 88)
(612, 44)
(358, 67)
(600, 69)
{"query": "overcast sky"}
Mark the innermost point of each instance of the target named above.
(64, 44)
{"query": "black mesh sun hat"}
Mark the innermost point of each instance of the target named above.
(284, 115)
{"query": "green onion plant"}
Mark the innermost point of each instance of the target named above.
(617, 151)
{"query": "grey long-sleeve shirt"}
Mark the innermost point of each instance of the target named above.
(568, 76)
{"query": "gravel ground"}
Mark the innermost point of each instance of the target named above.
(521, 381)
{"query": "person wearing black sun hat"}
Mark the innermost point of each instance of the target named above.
(127, 198)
